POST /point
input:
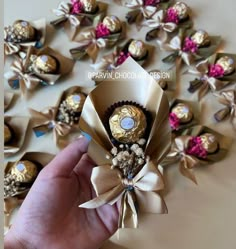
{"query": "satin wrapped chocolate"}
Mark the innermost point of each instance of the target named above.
(89, 6)
(113, 23)
(227, 63)
(137, 49)
(201, 38)
(181, 9)
(45, 64)
(183, 112)
(209, 142)
(75, 102)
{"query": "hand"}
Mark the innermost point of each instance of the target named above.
(50, 217)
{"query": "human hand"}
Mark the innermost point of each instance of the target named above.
(50, 217)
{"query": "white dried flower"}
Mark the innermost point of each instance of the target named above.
(115, 161)
(139, 152)
(134, 147)
(141, 141)
(114, 151)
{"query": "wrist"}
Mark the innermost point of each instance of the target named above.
(11, 242)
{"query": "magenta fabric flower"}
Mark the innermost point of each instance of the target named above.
(174, 121)
(189, 45)
(216, 71)
(195, 148)
(151, 2)
(122, 57)
(171, 16)
(101, 30)
(77, 7)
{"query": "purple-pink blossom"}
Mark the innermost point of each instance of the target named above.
(195, 148)
(189, 45)
(151, 2)
(174, 121)
(101, 30)
(77, 7)
(121, 58)
(171, 16)
(215, 71)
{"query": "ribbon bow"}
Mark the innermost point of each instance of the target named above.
(63, 10)
(227, 98)
(141, 191)
(205, 82)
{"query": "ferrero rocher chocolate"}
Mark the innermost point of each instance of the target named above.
(181, 9)
(45, 64)
(24, 171)
(137, 49)
(89, 5)
(7, 134)
(209, 142)
(127, 124)
(201, 38)
(183, 112)
(75, 102)
(23, 30)
(113, 23)
(227, 63)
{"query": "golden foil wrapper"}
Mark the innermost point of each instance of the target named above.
(127, 124)
(227, 63)
(23, 30)
(113, 23)
(181, 9)
(137, 49)
(201, 38)
(162, 83)
(75, 101)
(7, 134)
(45, 64)
(89, 5)
(183, 112)
(24, 171)
(209, 142)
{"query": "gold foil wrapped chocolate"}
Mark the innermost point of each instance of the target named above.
(24, 171)
(181, 9)
(227, 63)
(183, 112)
(89, 6)
(127, 124)
(209, 142)
(45, 64)
(137, 49)
(75, 102)
(7, 134)
(113, 23)
(24, 30)
(201, 38)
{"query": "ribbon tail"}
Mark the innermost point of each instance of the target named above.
(222, 114)
(186, 171)
(216, 84)
(203, 90)
(92, 51)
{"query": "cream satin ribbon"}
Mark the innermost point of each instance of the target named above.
(107, 63)
(63, 10)
(142, 190)
(147, 11)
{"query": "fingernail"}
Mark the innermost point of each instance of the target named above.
(86, 135)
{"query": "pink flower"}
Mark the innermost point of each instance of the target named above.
(151, 2)
(171, 16)
(174, 121)
(77, 7)
(101, 30)
(189, 45)
(216, 71)
(121, 58)
(195, 148)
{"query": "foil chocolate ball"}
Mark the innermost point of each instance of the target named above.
(227, 63)
(113, 23)
(201, 38)
(209, 142)
(75, 102)
(137, 49)
(181, 9)
(24, 171)
(89, 6)
(7, 134)
(24, 31)
(183, 112)
(45, 64)
(127, 124)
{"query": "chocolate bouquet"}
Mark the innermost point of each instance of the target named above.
(197, 146)
(105, 35)
(23, 34)
(189, 46)
(214, 73)
(130, 134)
(19, 176)
(63, 118)
(228, 99)
(167, 21)
(78, 13)
(15, 128)
(40, 67)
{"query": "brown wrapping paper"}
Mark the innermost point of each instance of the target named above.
(10, 203)
(8, 99)
(73, 22)
(22, 77)
(108, 184)
(14, 48)
(19, 126)
(188, 162)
